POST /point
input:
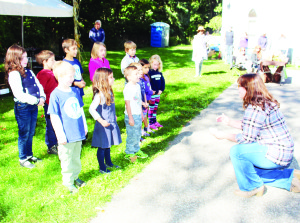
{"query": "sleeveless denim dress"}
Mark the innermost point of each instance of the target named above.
(105, 137)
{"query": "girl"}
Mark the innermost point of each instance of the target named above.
(265, 147)
(148, 91)
(199, 50)
(106, 131)
(49, 83)
(28, 94)
(98, 60)
(157, 82)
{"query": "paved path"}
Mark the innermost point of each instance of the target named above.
(194, 180)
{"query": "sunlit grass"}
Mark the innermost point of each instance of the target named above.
(37, 195)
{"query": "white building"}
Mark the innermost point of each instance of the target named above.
(273, 17)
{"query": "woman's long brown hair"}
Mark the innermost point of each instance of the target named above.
(101, 83)
(13, 60)
(256, 92)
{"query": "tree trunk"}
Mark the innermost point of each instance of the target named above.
(76, 28)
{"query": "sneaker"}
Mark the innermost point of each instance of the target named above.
(131, 157)
(153, 126)
(158, 125)
(150, 131)
(141, 154)
(53, 150)
(27, 164)
(104, 171)
(72, 189)
(113, 166)
(33, 159)
(146, 134)
(79, 183)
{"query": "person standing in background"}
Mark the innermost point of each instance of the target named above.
(229, 45)
(96, 34)
(199, 50)
(263, 42)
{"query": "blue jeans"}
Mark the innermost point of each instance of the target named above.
(26, 116)
(50, 137)
(134, 134)
(229, 51)
(253, 169)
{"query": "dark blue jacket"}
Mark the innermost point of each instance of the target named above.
(97, 35)
(157, 80)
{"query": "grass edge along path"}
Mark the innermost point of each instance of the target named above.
(38, 195)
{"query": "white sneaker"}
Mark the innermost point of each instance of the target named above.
(27, 164)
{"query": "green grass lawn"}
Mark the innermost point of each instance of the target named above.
(37, 195)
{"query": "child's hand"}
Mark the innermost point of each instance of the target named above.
(131, 121)
(80, 84)
(146, 105)
(62, 143)
(41, 102)
(153, 92)
(104, 123)
(159, 92)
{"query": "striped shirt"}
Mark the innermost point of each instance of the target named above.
(268, 128)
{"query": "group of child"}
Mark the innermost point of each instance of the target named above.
(59, 89)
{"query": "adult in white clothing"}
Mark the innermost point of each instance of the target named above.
(199, 50)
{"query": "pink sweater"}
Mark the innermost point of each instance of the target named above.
(95, 64)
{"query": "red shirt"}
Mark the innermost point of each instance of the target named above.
(48, 81)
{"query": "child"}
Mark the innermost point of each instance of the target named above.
(142, 86)
(69, 123)
(48, 81)
(148, 91)
(28, 94)
(98, 60)
(133, 114)
(130, 57)
(106, 131)
(158, 85)
(70, 48)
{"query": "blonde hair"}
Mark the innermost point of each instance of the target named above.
(101, 84)
(157, 58)
(128, 70)
(67, 43)
(136, 64)
(43, 55)
(95, 49)
(62, 68)
(129, 45)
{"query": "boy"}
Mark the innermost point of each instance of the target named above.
(49, 83)
(133, 114)
(69, 123)
(130, 57)
(70, 48)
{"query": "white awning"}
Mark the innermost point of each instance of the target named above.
(39, 8)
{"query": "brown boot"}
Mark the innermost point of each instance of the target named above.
(295, 186)
(257, 191)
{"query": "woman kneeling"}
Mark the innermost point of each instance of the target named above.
(265, 147)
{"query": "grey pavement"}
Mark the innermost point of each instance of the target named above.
(194, 181)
